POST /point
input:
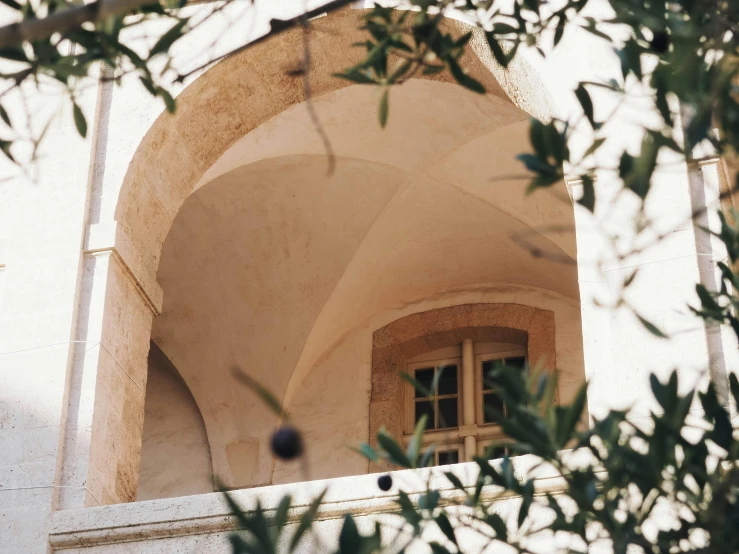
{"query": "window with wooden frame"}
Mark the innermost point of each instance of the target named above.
(457, 422)
(446, 455)
(442, 407)
(488, 395)
(491, 449)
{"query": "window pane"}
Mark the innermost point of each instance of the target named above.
(425, 407)
(487, 367)
(424, 377)
(495, 452)
(448, 379)
(447, 413)
(517, 363)
(448, 457)
(491, 400)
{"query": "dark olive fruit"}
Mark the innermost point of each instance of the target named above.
(660, 42)
(385, 482)
(287, 443)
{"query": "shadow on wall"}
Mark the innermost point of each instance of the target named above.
(175, 455)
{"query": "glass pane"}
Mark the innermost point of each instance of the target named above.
(495, 452)
(447, 413)
(491, 400)
(448, 457)
(487, 367)
(517, 363)
(424, 377)
(425, 407)
(448, 379)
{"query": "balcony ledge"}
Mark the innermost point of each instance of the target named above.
(210, 514)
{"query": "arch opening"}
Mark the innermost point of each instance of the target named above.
(271, 265)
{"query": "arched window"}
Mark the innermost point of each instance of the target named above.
(463, 343)
(457, 422)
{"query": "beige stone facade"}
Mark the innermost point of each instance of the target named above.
(148, 262)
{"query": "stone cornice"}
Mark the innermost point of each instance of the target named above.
(111, 238)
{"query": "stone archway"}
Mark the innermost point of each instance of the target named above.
(221, 106)
(421, 332)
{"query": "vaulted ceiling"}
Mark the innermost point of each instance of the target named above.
(273, 259)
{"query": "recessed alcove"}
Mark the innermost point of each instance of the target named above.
(277, 267)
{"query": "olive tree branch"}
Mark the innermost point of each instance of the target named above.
(61, 22)
(276, 26)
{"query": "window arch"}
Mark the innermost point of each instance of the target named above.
(450, 334)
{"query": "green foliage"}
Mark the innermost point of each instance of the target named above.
(615, 478)
(684, 53)
(63, 59)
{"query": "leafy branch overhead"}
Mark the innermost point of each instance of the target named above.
(694, 46)
(55, 46)
(678, 59)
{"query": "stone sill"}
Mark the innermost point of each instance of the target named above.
(209, 513)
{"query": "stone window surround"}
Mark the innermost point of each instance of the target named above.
(412, 335)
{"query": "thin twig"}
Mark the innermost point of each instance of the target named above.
(309, 98)
(276, 26)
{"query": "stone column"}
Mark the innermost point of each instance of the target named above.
(620, 353)
(102, 442)
(596, 323)
(711, 187)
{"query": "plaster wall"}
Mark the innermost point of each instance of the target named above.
(332, 403)
(175, 457)
(41, 230)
